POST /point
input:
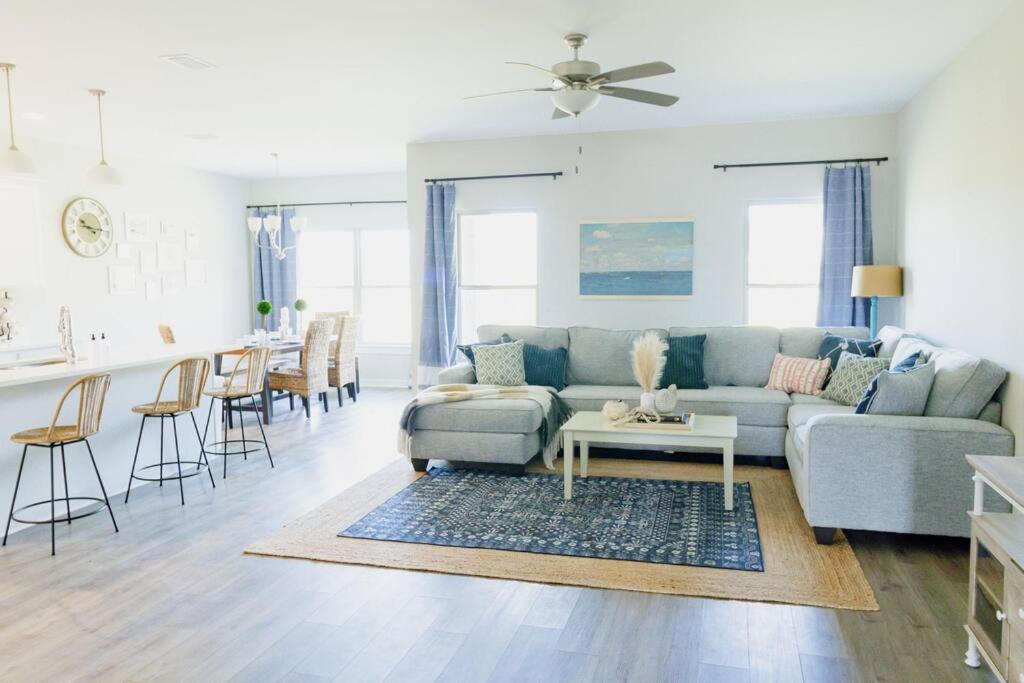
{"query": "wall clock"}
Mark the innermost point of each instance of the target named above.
(87, 227)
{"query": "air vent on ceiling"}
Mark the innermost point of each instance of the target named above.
(187, 61)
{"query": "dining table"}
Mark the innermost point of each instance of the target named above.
(278, 348)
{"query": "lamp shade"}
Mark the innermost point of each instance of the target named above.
(574, 100)
(103, 174)
(877, 281)
(14, 161)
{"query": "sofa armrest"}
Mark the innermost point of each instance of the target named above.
(460, 373)
(895, 473)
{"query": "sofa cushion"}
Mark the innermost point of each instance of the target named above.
(598, 356)
(890, 336)
(499, 415)
(964, 384)
(909, 345)
(751, 405)
(805, 342)
(684, 363)
(799, 414)
(736, 356)
(510, 449)
(799, 399)
(544, 337)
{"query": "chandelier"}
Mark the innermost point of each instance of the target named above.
(272, 223)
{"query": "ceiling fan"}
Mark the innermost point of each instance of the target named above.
(577, 85)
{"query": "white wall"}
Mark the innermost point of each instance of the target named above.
(650, 174)
(44, 273)
(378, 366)
(962, 237)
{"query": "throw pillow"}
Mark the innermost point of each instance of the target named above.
(467, 349)
(798, 375)
(908, 363)
(500, 364)
(684, 363)
(851, 377)
(545, 367)
(898, 392)
(833, 346)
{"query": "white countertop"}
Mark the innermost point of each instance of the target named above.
(115, 359)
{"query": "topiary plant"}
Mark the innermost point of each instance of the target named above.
(264, 308)
(301, 305)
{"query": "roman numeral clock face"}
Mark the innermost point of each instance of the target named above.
(87, 227)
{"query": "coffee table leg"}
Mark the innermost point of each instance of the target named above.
(727, 475)
(584, 458)
(567, 463)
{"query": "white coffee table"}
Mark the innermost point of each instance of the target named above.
(709, 431)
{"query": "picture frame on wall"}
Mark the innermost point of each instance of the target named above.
(137, 226)
(646, 258)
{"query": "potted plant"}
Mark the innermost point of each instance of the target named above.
(264, 308)
(300, 306)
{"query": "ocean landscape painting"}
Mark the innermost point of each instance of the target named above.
(636, 258)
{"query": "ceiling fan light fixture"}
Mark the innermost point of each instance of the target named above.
(575, 100)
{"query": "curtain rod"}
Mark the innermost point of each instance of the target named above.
(876, 160)
(553, 174)
(372, 201)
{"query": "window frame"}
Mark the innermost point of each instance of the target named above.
(357, 285)
(459, 253)
(807, 199)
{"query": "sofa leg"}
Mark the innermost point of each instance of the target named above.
(419, 464)
(824, 535)
(779, 462)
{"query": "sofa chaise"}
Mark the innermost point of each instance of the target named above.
(873, 472)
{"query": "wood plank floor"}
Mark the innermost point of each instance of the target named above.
(172, 597)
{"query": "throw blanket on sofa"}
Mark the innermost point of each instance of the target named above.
(554, 412)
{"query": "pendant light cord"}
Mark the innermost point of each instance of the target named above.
(99, 109)
(10, 107)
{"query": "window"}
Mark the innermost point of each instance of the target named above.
(365, 271)
(783, 263)
(497, 257)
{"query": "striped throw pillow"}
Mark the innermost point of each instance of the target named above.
(798, 375)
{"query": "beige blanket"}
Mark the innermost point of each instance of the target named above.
(552, 407)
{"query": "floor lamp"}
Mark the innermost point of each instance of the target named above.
(876, 281)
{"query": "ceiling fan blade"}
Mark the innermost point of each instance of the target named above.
(645, 96)
(549, 72)
(558, 114)
(630, 72)
(508, 92)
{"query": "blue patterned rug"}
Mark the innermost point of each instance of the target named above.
(643, 520)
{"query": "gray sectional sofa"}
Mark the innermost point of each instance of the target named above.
(875, 472)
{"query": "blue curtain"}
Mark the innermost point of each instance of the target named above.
(846, 243)
(274, 280)
(440, 284)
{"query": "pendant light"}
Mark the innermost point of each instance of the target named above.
(102, 173)
(12, 159)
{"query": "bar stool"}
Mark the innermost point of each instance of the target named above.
(245, 381)
(192, 374)
(92, 392)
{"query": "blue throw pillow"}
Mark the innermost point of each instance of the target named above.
(545, 367)
(908, 364)
(467, 349)
(684, 364)
(832, 346)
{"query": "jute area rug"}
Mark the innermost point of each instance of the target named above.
(796, 569)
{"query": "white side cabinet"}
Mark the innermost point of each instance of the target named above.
(995, 618)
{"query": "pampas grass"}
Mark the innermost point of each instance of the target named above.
(648, 360)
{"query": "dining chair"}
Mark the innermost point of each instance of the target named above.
(192, 376)
(244, 382)
(310, 378)
(92, 392)
(341, 366)
(166, 333)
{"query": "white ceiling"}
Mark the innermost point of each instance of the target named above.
(341, 87)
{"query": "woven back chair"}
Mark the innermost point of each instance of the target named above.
(166, 333)
(342, 370)
(192, 374)
(314, 355)
(337, 317)
(250, 372)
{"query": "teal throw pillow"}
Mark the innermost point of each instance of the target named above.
(684, 364)
(833, 346)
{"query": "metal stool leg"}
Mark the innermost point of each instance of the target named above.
(241, 425)
(262, 432)
(131, 477)
(64, 471)
(53, 511)
(202, 449)
(17, 485)
(177, 453)
(162, 450)
(102, 487)
(224, 455)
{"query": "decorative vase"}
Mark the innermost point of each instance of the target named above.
(647, 403)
